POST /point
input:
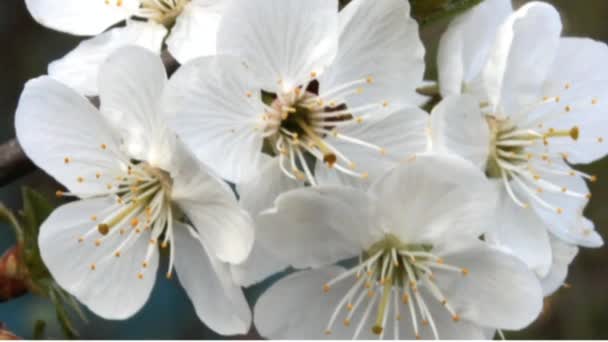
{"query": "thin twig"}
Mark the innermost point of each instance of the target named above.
(14, 164)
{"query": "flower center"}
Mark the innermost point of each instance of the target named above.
(142, 196)
(390, 276)
(299, 124)
(163, 12)
(514, 159)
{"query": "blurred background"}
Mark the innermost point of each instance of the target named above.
(578, 312)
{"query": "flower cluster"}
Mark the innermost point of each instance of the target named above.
(393, 222)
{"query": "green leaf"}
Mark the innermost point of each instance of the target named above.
(427, 11)
(36, 208)
(8, 217)
(39, 328)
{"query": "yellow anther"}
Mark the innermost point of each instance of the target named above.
(104, 146)
(600, 140)
(98, 175)
(560, 211)
(594, 101)
(117, 254)
(144, 264)
(455, 318)
(385, 104)
(425, 322)
(465, 271)
(376, 329)
(588, 196)
(67, 160)
(557, 99)
(405, 298)
(360, 90)
(134, 222)
(313, 74)
(248, 94)
(568, 108)
(567, 86)
(593, 179)
(349, 307)
(347, 322)
(103, 229)
(80, 179)
(164, 244)
(369, 80)
(97, 243)
(109, 186)
(326, 288)
(140, 275)
(574, 133)
(564, 189)
(81, 239)
(327, 332)
(169, 275)
(59, 193)
(93, 267)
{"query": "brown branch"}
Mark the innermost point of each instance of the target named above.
(14, 164)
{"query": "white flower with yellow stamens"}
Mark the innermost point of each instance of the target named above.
(329, 96)
(534, 104)
(139, 190)
(417, 268)
(192, 24)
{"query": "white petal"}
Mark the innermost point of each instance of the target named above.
(79, 69)
(578, 60)
(459, 127)
(522, 233)
(256, 195)
(401, 134)
(447, 329)
(420, 201)
(260, 265)
(259, 192)
(218, 302)
(80, 17)
(112, 290)
(563, 255)
(195, 31)
(225, 228)
(566, 221)
(62, 133)
(522, 57)
(306, 227)
(296, 307)
(378, 39)
(131, 84)
(464, 47)
(499, 290)
(215, 107)
(582, 105)
(281, 40)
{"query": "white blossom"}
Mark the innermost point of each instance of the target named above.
(533, 104)
(296, 81)
(187, 27)
(416, 267)
(138, 190)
